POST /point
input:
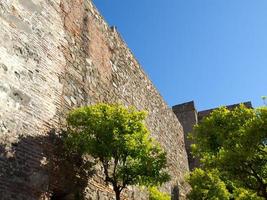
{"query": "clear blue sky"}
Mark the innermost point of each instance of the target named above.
(211, 51)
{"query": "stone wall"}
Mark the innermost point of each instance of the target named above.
(57, 55)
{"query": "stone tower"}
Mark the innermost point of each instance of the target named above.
(187, 115)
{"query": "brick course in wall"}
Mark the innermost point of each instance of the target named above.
(57, 55)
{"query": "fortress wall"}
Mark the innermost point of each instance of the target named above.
(56, 55)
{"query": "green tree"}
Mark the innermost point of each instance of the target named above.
(234, 142)
(119, 140)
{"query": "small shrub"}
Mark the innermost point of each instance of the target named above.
(155, 194)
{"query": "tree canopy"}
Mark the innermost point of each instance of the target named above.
(233, 145)
(118, 139)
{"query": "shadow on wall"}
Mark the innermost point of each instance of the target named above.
(39, 168)
(175, 193)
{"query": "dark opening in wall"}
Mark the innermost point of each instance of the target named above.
(74, 195)
(58, 196)
(175, 193)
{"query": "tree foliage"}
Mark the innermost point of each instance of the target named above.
(155, 194)
(234, 143)
(119, 140)
(207, 185)
(245, 194)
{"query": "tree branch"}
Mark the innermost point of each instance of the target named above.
(106, 166)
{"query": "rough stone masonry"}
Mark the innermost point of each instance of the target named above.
(56, 55)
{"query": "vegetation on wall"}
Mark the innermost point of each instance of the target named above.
(232, 147)
(118, 139)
